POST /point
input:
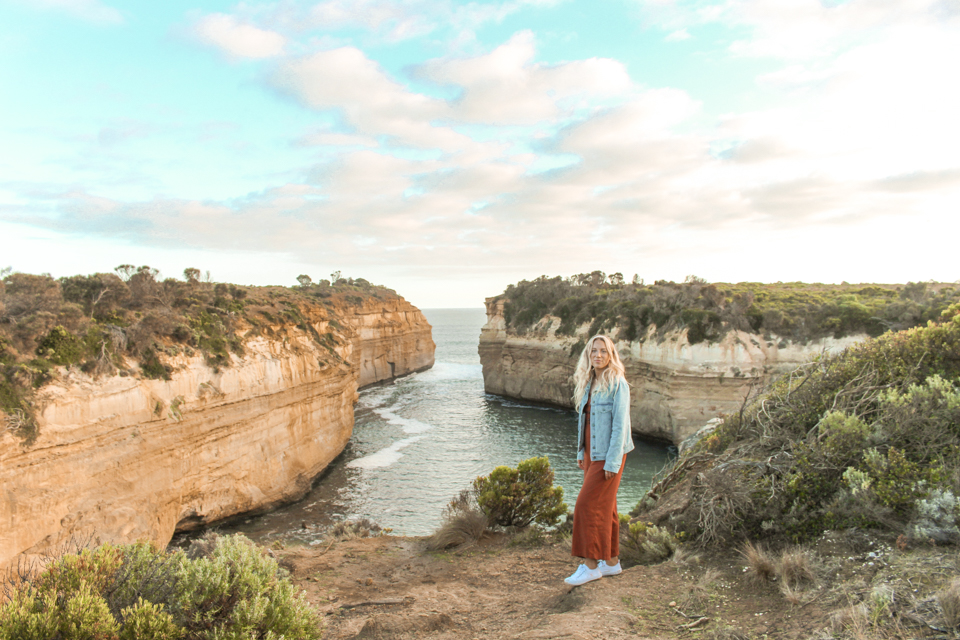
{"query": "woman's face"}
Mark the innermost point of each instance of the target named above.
(599, 356)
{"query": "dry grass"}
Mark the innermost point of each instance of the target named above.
(463, 522)
(791, 594)
(761, 567)
(854, 623)
(722, 497)
(685, 557)
(352, 529)
(697, 596)
(949, 601)
(725, 633)
(851, 622)
(458, 530)
(796, 568)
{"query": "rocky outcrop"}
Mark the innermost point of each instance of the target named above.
(127, 458)
(675, 387)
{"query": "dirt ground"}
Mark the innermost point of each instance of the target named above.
(391, 587)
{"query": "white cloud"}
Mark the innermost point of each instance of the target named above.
(333, 139)
(678, 35)
(506, 86)
(398, 20)
(799, 29)
(89, 10)
(864, 136)
(237, 39)
(370, 101)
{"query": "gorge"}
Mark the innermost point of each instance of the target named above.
(126, 457)
(676, 387)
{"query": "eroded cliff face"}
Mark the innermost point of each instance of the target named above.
(127, 458)
(675, 387)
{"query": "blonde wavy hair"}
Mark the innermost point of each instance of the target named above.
(606, 379)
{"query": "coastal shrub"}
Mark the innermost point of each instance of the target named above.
(148, 621)
(647, 543)
(61, 347)
(132, 321)
(869, 437)
(518, 497)
(232, 589)
(792, 310)
(936, 518)
(238, 592)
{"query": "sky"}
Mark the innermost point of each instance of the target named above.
(448, 149)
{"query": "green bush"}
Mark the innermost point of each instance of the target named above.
(865, 438)
(518, 497)
(237, 591)
(61, 347)
(645, 543)
(101, 321)
(792, 310)
(231, 590)
(148, 621)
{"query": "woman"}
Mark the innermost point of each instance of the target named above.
(602, 398)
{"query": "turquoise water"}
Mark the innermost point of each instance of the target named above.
(421, 439)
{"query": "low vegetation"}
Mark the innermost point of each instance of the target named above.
(508, 498)
(222, 587)
(868, 438)
(521, 496)
(132, 322)
(789, 310)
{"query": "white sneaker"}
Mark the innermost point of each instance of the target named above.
(583, 574)
(607, 570)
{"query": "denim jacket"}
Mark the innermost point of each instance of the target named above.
(610, 434)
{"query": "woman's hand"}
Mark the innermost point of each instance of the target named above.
(608, 474)
(580, 464)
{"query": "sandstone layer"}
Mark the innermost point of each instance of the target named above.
(675, 387)
(127, 458)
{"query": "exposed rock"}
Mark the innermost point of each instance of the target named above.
(675, 387)
(125, 458)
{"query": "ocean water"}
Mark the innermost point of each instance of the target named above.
(421, 439)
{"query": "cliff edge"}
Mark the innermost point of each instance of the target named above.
(675, 387)
(124, 457)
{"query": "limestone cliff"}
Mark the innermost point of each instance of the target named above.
(675, 387)
(128, 458)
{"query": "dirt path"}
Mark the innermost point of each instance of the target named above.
(390, 587)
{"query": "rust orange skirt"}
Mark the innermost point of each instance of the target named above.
(596, 524)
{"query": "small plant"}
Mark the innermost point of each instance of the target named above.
(648, 542)
(879, 603)
(237, 592)
(724, 632)
(761, 567)
(949, 601)
(148, 621)
(225, 587)
(363, 528)
(795, 568)
(521, 496)
(936, 518)
(175, 413)
(463, 522)
(61, 347)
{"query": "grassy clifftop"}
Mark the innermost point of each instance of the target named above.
(793, 310)
(122, 323)
(868, 438)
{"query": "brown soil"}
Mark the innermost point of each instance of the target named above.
(391, 587)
